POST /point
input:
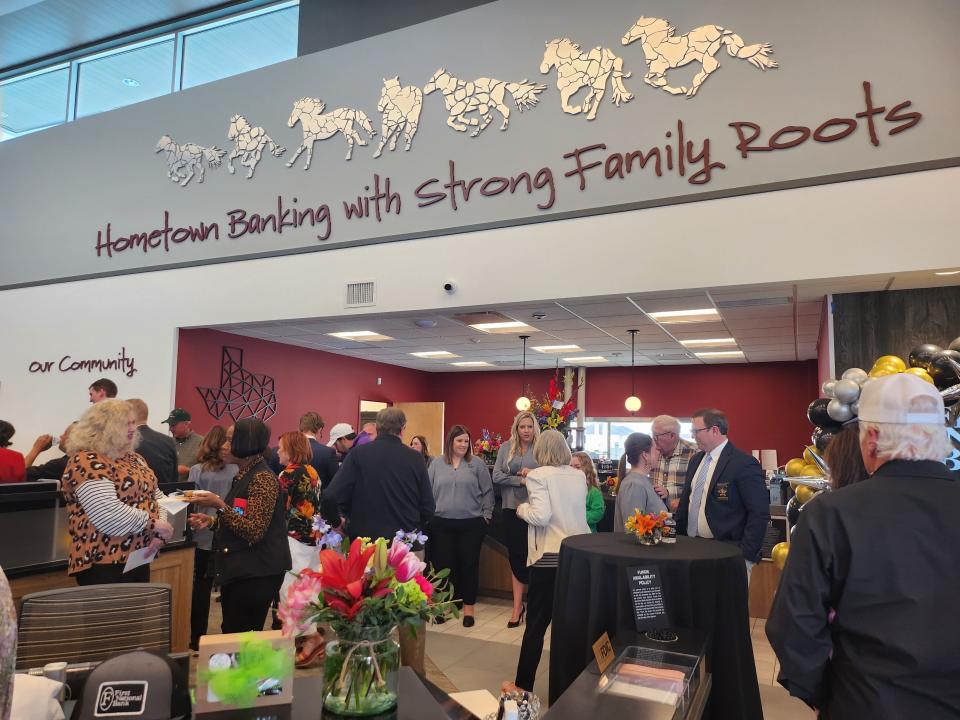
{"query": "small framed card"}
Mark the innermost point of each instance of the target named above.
(221, 652)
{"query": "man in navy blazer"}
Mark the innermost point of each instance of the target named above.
(725, 496)
(324, 458)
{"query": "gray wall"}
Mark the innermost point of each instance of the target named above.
(868, 325)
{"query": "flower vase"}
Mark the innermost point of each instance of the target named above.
(360, 673)
(651, 538)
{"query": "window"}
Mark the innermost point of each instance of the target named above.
(124, 78)
(174, 59)
(239, 46)
(604, 437)
(34, 102)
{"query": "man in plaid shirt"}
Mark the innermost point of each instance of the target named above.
(669, 474)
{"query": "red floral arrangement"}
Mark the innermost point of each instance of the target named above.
(552, 411)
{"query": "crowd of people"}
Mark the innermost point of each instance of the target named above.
(255, 519)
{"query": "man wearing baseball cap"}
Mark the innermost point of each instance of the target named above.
(882, 554)
(342, 436)
(188, 442)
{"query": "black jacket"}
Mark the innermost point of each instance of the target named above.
(324, 462)
(738, 502)
(883, 554)
(160, 452)
(51, 470)
(382, 487)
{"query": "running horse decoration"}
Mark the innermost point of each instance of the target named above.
(577, 70)
(319, 126)
(248, 145)
(185, 161)
(479, 96)
(400, 109)
(665, 51)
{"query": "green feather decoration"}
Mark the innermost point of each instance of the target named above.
(256, 662)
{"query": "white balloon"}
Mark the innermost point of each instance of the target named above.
(838, 411)
(846, 391)
(828, 387)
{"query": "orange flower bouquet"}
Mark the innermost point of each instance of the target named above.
(648, 528)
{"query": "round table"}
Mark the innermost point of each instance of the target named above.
(704, 588)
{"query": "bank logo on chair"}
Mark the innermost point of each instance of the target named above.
(126, 698)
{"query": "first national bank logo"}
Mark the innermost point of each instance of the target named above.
(121, 699)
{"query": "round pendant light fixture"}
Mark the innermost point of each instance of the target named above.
(523, 402)
(633, 403)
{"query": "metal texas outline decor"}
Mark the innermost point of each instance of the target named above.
(241, 393)
(400, 107)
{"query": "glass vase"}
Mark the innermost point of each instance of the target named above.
(651, 538)
(360, 673)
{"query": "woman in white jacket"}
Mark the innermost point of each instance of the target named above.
(557, 508)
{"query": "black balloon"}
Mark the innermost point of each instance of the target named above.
(955, 345)
(817, 412)
(823, 438)
(922, 355)
(942, 371)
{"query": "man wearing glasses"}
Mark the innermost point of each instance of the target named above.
(725, 496)
(670, 474)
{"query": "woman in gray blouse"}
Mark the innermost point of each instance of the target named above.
(635, 491)
(514, 461)
(464, 497)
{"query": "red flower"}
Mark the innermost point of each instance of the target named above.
(343, 578)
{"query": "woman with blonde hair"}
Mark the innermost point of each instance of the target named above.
(111, 497)
(212, 474)
(595, 505)
(514, 460)
(557, 509)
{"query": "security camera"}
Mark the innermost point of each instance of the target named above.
(449, 287)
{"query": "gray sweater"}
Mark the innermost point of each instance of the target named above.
(463, 492)
(512, 490)
(635, 493)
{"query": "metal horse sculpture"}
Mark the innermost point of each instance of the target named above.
(577, 70)
(185, 161)
(319, 126)
(400, 109)
(478, 97)
(248, 144)
(665, 51)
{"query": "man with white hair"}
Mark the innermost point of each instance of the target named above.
(882, 555)
(669, 474)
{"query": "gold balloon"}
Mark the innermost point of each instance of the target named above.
(804, 494)
(794, 467)
(920, 373)
(897, 362)
(807, 456)
(779, 554)
(812, 470)
(883, 370)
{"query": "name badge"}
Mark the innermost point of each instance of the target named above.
(240, 506)
(723, 491)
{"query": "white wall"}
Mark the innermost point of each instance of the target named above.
(885, 225)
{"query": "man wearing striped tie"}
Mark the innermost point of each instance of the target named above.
(725, 496)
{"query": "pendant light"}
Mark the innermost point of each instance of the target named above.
(523, 402)
(632, 403)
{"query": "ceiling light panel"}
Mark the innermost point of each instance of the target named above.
(360, 336)
(435, 354)
(709, 342)
(556, 348)
(510, 327)
(720, 354)
(670, 317)
(585, 359)
(472, 363)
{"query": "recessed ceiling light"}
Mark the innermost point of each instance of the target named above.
(948, 272)
(720, 354)
(425, 323)
(360, 336)
(669, 317)
(131, 82)
(472, 363)
(586, 359)
(713, 342)
(510, 327)
(435, 354)
(556, 348)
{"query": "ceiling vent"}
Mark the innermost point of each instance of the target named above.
(753, 302)
(361, 294)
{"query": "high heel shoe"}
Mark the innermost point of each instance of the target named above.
(519, 620)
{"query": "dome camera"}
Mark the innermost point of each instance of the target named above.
(449, 287)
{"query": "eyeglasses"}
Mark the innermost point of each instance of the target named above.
(696, 430)
(657, 436)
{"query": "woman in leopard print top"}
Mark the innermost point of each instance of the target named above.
(111, 497)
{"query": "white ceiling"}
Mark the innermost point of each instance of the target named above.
(777, 322)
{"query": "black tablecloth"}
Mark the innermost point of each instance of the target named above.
(606, 522)
(704, 587)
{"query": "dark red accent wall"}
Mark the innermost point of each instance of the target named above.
(766, 402)
(330, 384)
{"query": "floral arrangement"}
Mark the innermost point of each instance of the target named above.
(646, 526)
(487, 446)
(552, 411)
